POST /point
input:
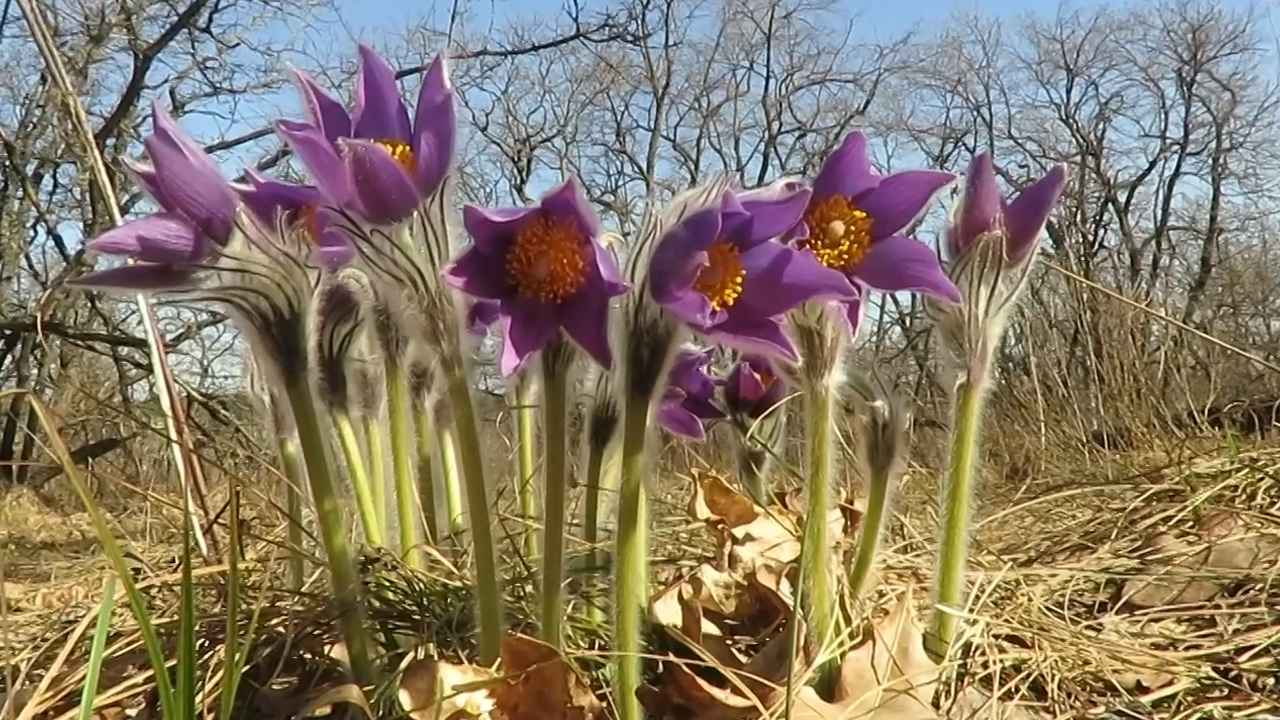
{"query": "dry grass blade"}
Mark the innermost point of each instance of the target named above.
(170, 403)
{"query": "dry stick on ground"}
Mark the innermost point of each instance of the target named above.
(175, 423)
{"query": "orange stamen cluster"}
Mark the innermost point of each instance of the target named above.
(307, 219)
(548, 260)
(399, 151)
(839, 232)
(720, 280)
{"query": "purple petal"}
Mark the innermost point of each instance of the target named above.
(379, 112)
(320, 159)
(480, 315)
(144, 277)
(780, 278)
(899, 264)
(680, 254)
(586, 321)
(165, 237)
(334, 250)
(1027, 214)
(193, 184)
(776, 210)
(384, 191)
(673, 416)
(847, 171)
(478, 274)
(526, 329)
(493, 229)
(267, 196)
(325, 111)
(435, 127)
(567, 201)
(762, 336)
(978, 207)
(901, 198)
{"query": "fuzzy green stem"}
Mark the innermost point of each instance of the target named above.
(425, 430)
(526, 467)
(601, 477)
(488, 584)
(376, 438)
(349, 442)
(631, 558)
(555, 480)
(815, 559)
(446, 441)
(949, 577)
(870, 530)
(333, 531)
(295, 475)
(402, 465)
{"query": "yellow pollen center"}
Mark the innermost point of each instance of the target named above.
(839, 232)
(720, 280)
(400, 152)
(548, 260)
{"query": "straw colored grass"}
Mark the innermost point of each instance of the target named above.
(1147, 596)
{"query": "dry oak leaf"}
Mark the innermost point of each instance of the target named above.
(887, 677)
(434, 690)
(540, 684)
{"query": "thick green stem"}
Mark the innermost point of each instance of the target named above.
(446, 441)
(402, 465)
(526, 467)
(425, 429)
(555, 480)
(488, 584)
(870, 530)
(949, 577)
(333, 531)
(295, 475)
(349, 441)
(631, 558)
(815, 561)
(376, 437)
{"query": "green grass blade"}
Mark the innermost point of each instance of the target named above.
(187, 700)
(96, 650)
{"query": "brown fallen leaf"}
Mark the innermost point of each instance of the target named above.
(540, 684)
(433, 690)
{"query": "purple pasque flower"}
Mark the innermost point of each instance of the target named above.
(752, 388)
(196, 217)
(689, 400)
(544, 267)
(982, 209)
(376, 160)
(299, 207)
(721, 272)
(855, 217)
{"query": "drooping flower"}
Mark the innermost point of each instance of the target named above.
(855, 217)
(375, 160)
(545, 268)
(721, 272)
(196, 217)
(982, 209)
(270, 199)
(753, 389)
(689, 401)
